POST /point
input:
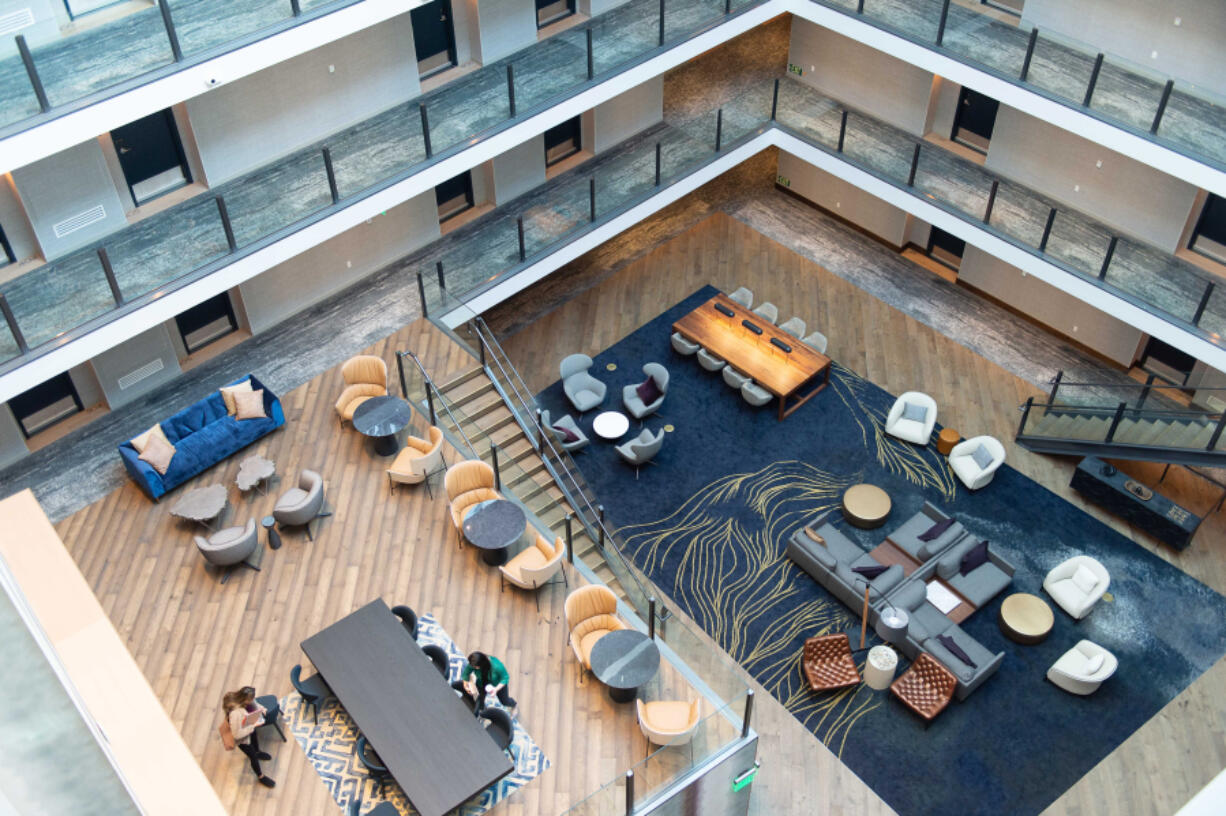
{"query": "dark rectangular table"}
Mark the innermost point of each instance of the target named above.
(1157, 515)
(427, 737)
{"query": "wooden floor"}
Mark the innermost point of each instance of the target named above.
(194, 638)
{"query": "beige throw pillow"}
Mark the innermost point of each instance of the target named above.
(229, 391)
(139, 442)
(249, 405)
(158, 454)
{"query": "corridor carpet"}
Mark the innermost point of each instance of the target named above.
(709, 523)
(329, 745)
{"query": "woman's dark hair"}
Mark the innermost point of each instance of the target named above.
(481, 665)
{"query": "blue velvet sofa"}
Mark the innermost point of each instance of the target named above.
(203, 434)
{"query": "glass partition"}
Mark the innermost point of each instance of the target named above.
(204, 24)
(59, 296)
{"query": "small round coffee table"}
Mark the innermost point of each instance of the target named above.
(879, 667)
(492, 527)
(1025, 618)
(610, 425)
(946, 440)
(270, 525)
(866, 506)
(624, 660)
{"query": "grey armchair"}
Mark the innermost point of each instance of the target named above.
(742, 297)
(794, 326)
(642, 449)
(817, 341)
(735, 379)
(230, 547)
(682, 346)
(634, 403)
(551, 426)
(755, 395)
(301, 505)
(767, 311)
(709, 361)
(583, 390)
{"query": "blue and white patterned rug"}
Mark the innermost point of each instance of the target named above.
(329, 746)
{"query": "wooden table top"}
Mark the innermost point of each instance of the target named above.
(429, 740)
(777, 371)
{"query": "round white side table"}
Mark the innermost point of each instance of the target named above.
(611, 425)
(879, 667)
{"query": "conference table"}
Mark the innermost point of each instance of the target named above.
(777, 361)
(428, 739)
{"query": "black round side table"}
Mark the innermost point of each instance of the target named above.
(274, 538)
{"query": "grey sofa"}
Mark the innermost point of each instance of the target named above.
(832, 567)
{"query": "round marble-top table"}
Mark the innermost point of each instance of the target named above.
(624, 660)
(253, 472)
(866, 506)
(381, 418)
(492, 527)
(610, 425)
(201, 504)
(1025, 618)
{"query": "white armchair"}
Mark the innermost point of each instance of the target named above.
(975, 461)
(912, 418)
(1077, 584)
(583, 390)
(1083, 668)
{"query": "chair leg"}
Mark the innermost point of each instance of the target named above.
(225, 574)
(310, 537)
(276, 723)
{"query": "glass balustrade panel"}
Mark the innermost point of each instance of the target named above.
(952, 181)
(166, 246)
(981, 38)
(59, 296)
(277, 195)
(204, 24)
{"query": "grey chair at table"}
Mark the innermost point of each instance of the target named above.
(755, 395)
(559, 428)
(634, 402)
(767, 311)
(230, 547)
(735, 379)
(501, 728)
(709, 361)
(816, 341)
(682, 346)
(272, 714)
(794, 326)
(438, 657)
(583, 390)
(408, 619)
(313, 690)
(372, 762)
(642, 449)
(381, 809)
(742, 297)
(301, 505)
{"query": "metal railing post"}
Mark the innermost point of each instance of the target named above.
(296, 7)
(591, 196)
(421, 293)
(775, 100)
(1098, 66)
(1034, 40)
(842, 129)
(1021, 428)
(438, 270)
(481, 348)
(497, 471)
(591, 64)
(1102, 272)
(1149, 384)
(748, 714)
(171, 35)
(404, 383)
(914, 165)
(336, 196)
(987, 215)
(941, 25)
(860, 7)
(570, 539)
(519, 224)
(727, 7)
(1116, 420)
(430, 403)
(1166, 97)
(1055, 385)
(1051, 220)
(657, 164)
(719, 127)
(511, 87)
(651, 618)
(661, 22)
(1217, 434)
(27, 59)
(540, 430)
(226, 226)
(109, 271)
(629, 793)
(1204, 302)
(600, 515)
(425, 128)
(11, 319)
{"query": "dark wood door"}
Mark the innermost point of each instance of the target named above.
(433, 37)
(151, 155)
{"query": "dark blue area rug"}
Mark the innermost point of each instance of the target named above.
(709, 524)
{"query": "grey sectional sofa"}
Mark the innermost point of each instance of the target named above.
(832, 565)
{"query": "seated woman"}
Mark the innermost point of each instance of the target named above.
(484, 673)
(244, 716)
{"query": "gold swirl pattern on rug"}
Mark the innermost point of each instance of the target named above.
(924, 466)
(723, 551)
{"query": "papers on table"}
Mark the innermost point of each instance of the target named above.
(940, 597)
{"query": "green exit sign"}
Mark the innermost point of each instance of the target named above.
(783, 181)
(795, 69)
(746, 779)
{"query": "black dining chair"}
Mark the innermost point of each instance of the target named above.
(407, 617)
(313, 689)
(500, 728)
(273, 717)
(438, 657)
(372, 762)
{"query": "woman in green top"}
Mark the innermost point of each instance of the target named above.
(484, 672)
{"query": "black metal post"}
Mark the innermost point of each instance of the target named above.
(1055, 384)
(36, 82)
(629, 793)
(497, 472)
(842, 130)
(481, 348)
(600, 516)
(170, 32)
(1149, 384)
(11, 319)
(227, 227)
(519, 224)
(570, 539)
(1217, 434)
(1166, 97)
(748, 714)
(657, 164)
(1102, 273)
(540, 431)
(1116, 420)
(1034, 39)
(775, 100)
(661, 22)
(404, 383)
(914, 165)
(1204, 301)
(511, 87)
(109, 271)
(1021, 428)
(1051, 220)
(941, 25)
(421, 293)
(591, 197)
(296, 7)
(727, 7)
(591, 65)
(430, 403)
(719, 127)
(438, 269)
(651, 618)
(987, 215)
(1098, 66)
(336, 196)
(860, 7)
(425, 129)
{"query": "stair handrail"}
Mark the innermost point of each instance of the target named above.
(1110, 408)
(1117, 414)
(1059, 380)
(433, 416)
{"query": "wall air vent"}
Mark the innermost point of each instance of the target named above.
(14, 21)
(79, 221)
(147, 370)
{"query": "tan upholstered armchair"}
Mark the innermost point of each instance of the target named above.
(535, 566)
(468, 483)
(365, 377)
(418, 460)
(669, 722)
(591, 613)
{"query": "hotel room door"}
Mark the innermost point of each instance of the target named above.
(433, 37)
(151, 156)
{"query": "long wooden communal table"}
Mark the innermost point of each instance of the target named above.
(426, 736)
(781, 373)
